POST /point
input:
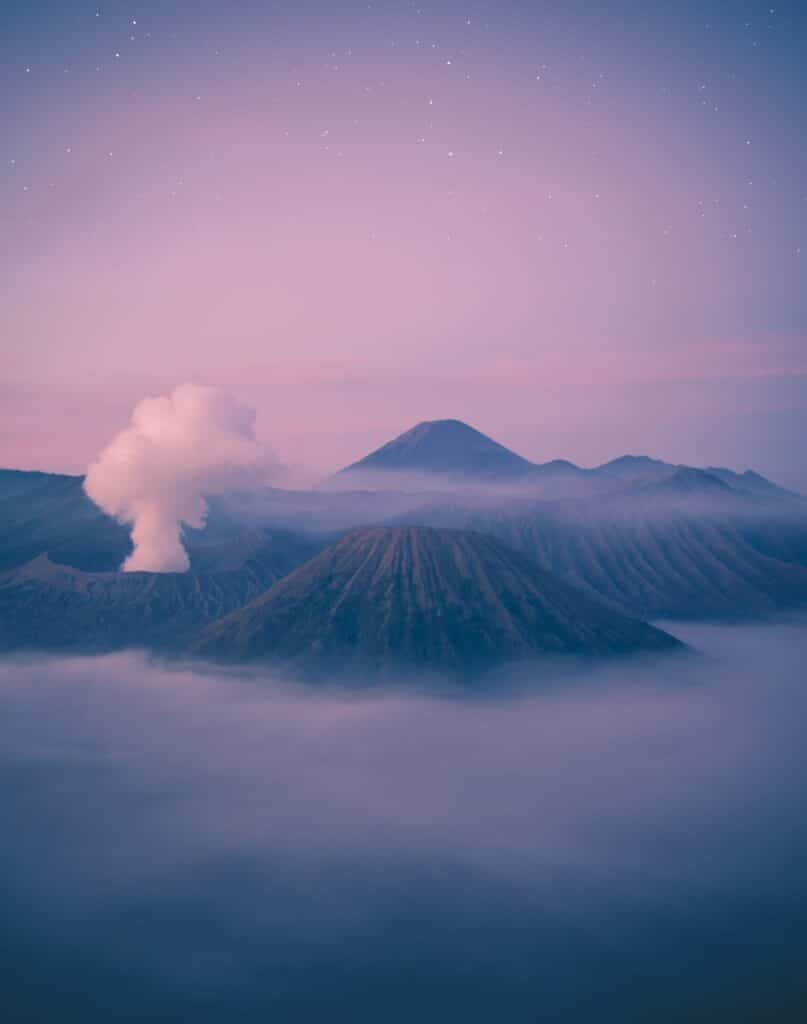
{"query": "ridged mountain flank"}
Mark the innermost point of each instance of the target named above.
(397, 597)
(46, 605)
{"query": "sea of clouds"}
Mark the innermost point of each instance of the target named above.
(625, 844)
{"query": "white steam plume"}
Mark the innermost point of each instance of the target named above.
(156, 473)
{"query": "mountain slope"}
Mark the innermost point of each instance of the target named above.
(44, 605)
(51, 513)
(438, 453)
(751, 481)
(654, 561)
(14, 482)
(636, 469)
(685, 482)
(387, 598)
(446, 454)
(444, 447)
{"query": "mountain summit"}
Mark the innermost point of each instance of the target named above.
(390, 598)
(441, 447)
(446, 454)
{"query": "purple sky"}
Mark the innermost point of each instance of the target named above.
(578, 227)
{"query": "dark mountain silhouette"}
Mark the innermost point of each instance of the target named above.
(641, 469)
(15, 482)
(685, 482)
(389, 598)
(44, 605)
(438, 453)
(51, 513)
(444, 447)
(751, 481)
(638, 469)
(447, 453)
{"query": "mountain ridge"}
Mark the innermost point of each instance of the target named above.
(390, 597)
(451, 450)
(45, 604)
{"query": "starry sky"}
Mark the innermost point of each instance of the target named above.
(579, 226)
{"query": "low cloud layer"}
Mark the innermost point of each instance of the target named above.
(625, 844)
(177, 450)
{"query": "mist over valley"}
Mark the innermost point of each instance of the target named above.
(187, 842)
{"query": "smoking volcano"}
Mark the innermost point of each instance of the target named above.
(157, 473)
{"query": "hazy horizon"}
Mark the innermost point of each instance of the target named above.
(306, 475)
(579, 229)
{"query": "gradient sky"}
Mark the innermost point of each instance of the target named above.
(578, 226)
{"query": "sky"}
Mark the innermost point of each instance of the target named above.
(579, 227)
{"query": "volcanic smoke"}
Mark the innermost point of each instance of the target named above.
(176, 451)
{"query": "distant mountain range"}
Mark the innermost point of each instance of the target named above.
(413, 597)
(441, 452)
(465, 524)
(448, 451)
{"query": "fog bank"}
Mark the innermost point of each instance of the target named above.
(627, 845)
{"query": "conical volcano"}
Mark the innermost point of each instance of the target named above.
(415, 597)
(446, 448)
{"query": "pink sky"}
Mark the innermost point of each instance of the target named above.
(558, 243)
